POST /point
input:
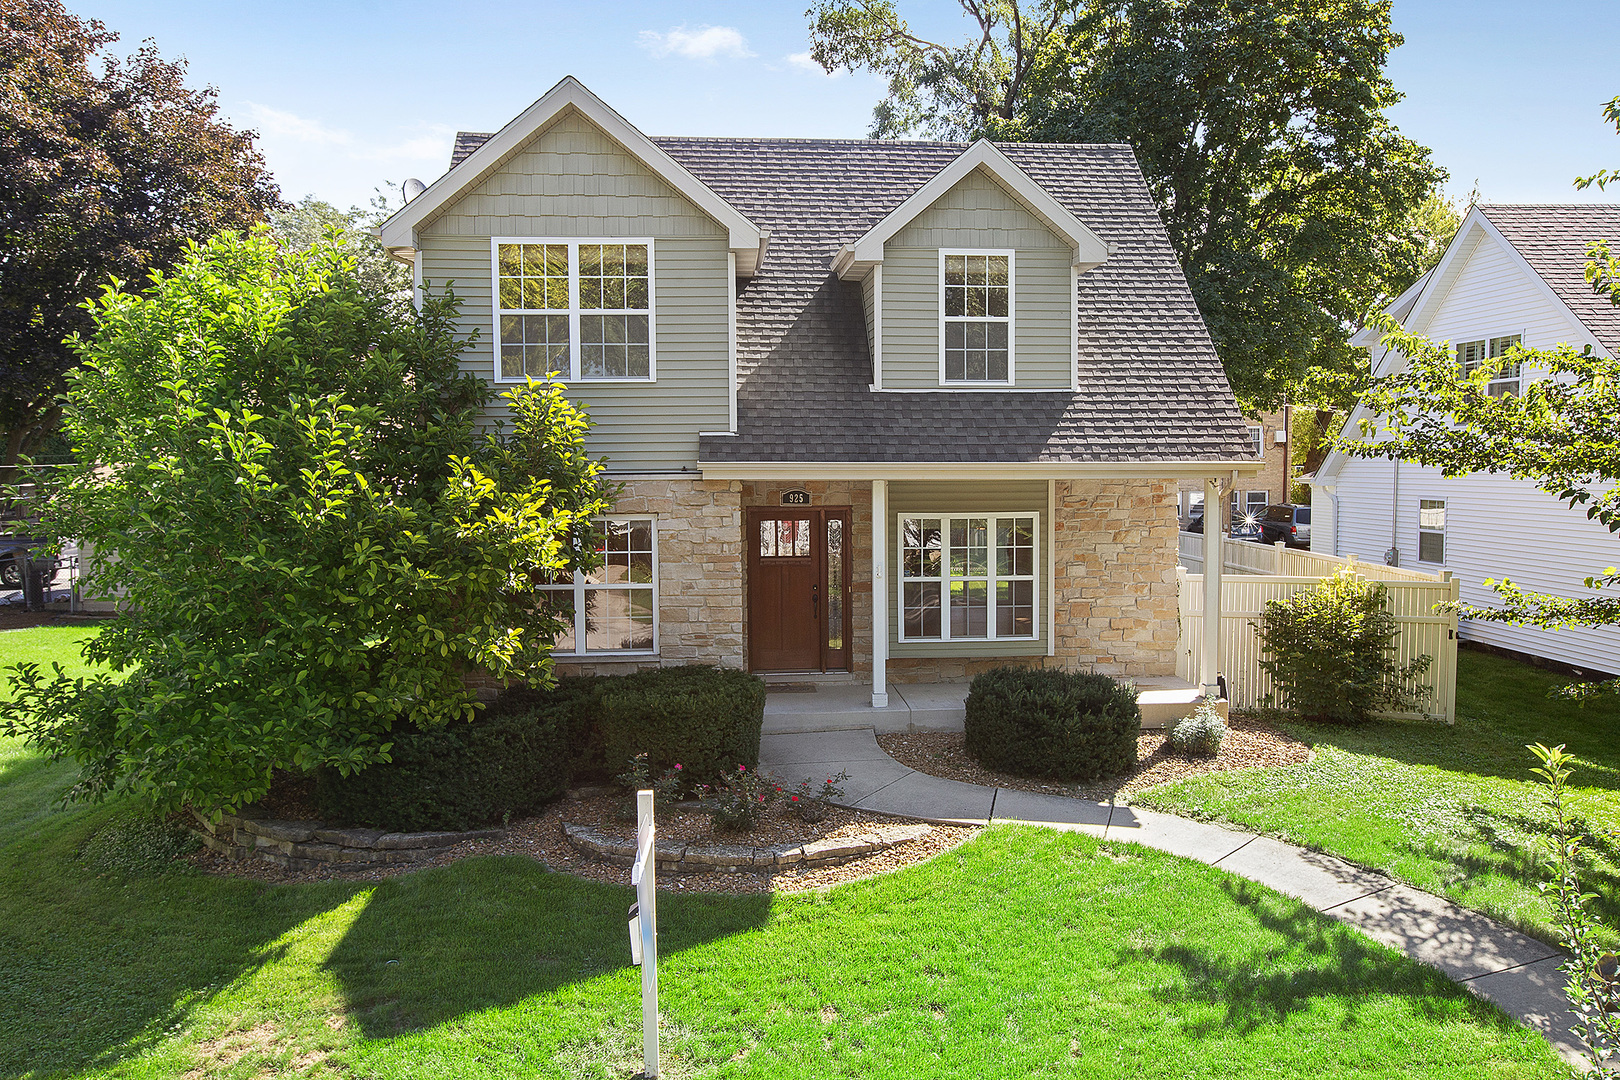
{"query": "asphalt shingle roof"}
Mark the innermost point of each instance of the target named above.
(1151, 387)
(1553, 239)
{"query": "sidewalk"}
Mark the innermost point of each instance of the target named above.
(1517, 973)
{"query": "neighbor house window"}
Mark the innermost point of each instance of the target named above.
(1192, 504)
(1257, 436)
(1248, 503)
(1472, 355)
(1432, 530)
(1257, 502)
(614, 608)
(969, 577)
(976, 327)
(581, 309)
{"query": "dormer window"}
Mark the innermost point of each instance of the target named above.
(976, 341)
(580, 308)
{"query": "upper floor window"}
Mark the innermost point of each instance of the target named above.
(1471, 355)
(582, 309)
(976, 321)
(1257, 436)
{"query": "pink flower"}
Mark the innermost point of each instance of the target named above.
(793, 798)
(677, 766)
(742, 768)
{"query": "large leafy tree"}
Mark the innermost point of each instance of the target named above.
(1261, 129)
(281, 472)
(311, 220)
(107, 168)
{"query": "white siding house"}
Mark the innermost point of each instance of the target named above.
(1510, 272)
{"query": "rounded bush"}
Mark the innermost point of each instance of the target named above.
(705, 719)
(1201, 734)
(1060, 724)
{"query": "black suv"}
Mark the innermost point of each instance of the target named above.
(14, 555)
(1286, 522)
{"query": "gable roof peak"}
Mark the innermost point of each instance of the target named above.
(1088, 248)
(398, 232)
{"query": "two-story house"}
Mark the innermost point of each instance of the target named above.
(902, 409)
(1513, 274)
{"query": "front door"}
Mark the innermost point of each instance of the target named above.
(798, 588)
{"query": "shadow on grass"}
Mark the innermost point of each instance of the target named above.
(1320, 961)
(94, 970)
(487, 933)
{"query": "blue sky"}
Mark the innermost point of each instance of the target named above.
(348, 94)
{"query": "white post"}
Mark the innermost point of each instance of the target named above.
(880, 594)
(643, 876)
(1213, 557)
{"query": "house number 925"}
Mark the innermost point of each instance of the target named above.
(795, 498)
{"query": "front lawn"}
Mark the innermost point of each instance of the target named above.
(1453, 810)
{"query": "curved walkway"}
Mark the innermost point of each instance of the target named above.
(1517, 973)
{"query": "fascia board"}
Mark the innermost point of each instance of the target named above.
(1367, 337)
(1089, 249)
(976, 470)
(399, 229)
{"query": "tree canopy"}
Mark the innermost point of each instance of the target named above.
(281, 473)
(107, 168)
(1294, 205)
(310, 220)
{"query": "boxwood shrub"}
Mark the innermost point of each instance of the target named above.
(706, 719)
(1043, 722)
(506, 761)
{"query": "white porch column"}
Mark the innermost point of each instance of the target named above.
(880, 594)
(1209, 667)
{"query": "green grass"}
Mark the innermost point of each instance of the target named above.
(1451, 809)
(1022, 953)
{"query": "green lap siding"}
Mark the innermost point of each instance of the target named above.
(978, 213)
(981, 497)
(571, 180)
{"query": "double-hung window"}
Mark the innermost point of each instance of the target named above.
(1257, 436)
(968, 577)
(614, 608)
(1432, 530)
(581, 309)
(1472, 355)
(976, 302)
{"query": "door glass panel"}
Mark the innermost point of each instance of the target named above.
(835, 583)
(784, 539)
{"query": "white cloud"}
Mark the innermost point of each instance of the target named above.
(704, 43)
(280, 126)
(802, 61)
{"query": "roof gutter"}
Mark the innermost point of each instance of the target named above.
(977, 470)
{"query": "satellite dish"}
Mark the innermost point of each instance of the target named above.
(412, 188)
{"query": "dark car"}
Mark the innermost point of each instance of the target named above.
(1287, 522)
(15, 552)
(1242, 529)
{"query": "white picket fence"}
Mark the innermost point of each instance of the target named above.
(1248, 557)
(1426, 626)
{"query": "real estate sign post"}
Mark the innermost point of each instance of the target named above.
(644, 928)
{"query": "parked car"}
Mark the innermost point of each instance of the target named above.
(1286, 522)
(14, 555)
(1246, 526)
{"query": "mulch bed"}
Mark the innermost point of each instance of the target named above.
(541, 838)
(1249, 744)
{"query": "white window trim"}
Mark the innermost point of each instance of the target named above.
(579, 586)
(1257, 436)
(1512, 383)
(990, 578)
(1012, 321)
(573, 243)
(1445, 506)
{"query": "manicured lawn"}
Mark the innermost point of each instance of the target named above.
(1025, 952)
(1449, 809)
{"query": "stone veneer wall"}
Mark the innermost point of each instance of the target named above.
(857, 495)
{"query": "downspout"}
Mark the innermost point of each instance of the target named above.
(1392, 557)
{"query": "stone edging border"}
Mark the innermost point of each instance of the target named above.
(684, 858)
(306, 845)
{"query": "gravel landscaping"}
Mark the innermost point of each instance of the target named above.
(1249, 744)
(542, 838)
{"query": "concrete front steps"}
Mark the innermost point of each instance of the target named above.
(795, 703)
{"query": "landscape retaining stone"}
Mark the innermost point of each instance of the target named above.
(307, 845)
(711, 857)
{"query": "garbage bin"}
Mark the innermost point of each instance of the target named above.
(39, 567)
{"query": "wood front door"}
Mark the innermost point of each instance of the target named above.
(798, 588)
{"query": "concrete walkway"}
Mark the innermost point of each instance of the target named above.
(1518, 973)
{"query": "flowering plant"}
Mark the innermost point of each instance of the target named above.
(666, 788)
(811, 802)
(740, 801)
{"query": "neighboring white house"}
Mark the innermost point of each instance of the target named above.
(1511, 274)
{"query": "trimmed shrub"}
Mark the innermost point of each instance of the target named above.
(705, 719)
(506, 761)
(572, 705)
(1201, 734)
(1332, 652)
(1061, 724)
